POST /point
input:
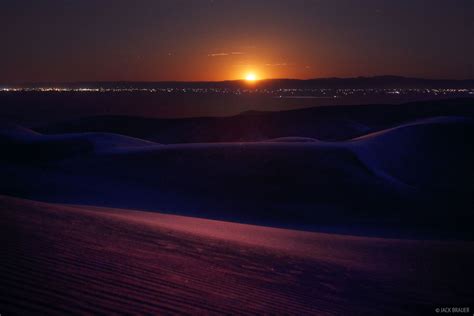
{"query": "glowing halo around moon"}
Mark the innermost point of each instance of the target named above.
(251, 77)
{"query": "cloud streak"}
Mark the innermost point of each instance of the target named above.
(277, 65)
(224, 54)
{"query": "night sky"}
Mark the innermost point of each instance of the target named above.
(96, 40)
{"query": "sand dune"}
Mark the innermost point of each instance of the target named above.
(390, 172)
(435, 152)
(396, 182)
(13, 131)
(327, 123)
(22, 143)
(100, 141)
(61, 259)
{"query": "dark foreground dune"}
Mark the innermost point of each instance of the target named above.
(60, 259)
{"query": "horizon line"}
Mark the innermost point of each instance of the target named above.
(236, 80)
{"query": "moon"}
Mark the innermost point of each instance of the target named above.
(250, 77)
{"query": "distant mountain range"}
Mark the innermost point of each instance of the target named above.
(321, 83)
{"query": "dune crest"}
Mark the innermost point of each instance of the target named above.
(431, 153)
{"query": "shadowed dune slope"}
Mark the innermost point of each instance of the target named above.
(399, 182)
(328, 123)
(60, 259)
(20, 143)
(432, 153)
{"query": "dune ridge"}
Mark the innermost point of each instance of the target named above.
(434, 152)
